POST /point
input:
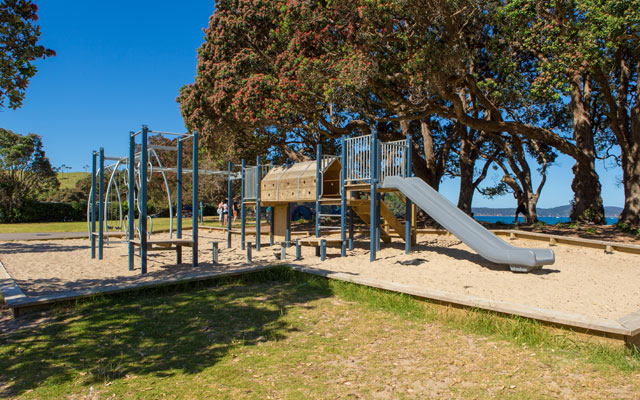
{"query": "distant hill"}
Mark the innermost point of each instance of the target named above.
(557, 212)
(68, 180)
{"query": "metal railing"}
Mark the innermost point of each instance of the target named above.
(393, 161)
(358, 166)
(392, 157)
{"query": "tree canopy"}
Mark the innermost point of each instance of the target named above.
(19, 48)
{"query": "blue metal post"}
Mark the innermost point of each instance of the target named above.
(258, 216)
(194, 201)
(271, 225)
(230, 207)
(318, 186)
(407, 219)
(132, 199)
(343, 198)
(287, 236)
(180, 146)
(144, 159)
(242, 208)
(373, 223)
(101, 206)
(94, 171)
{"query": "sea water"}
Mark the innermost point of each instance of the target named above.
(547, 220)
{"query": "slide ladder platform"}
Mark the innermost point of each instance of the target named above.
(467, 229)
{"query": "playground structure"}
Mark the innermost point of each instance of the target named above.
(105, 206)
(355, 181)
(346, 181)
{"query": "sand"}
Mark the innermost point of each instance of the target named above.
(583, 281)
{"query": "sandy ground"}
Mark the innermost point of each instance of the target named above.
(582, 281)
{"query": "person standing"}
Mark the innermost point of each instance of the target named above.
(521, 209)
(235, 210)
(225, 212)
(220, 210)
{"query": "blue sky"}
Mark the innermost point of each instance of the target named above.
(120, 65)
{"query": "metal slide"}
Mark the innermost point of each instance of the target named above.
(467, 229)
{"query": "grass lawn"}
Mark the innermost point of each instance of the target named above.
(280, 334)
(159, 224)
(68, 180)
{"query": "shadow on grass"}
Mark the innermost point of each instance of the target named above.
(159, 332)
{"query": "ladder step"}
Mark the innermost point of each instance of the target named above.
(330, 215)
(330, 227)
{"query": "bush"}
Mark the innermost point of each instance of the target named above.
(40, 211)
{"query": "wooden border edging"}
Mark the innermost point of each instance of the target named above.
(552, 239)
(628, 326)
(19, 302)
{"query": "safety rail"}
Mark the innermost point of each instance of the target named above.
(392, 157)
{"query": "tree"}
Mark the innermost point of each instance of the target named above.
(19, 48)
(25, 171)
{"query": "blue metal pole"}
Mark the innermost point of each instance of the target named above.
(287, 236)
(407, 219)
(132, 206)
(318, 186)
(242, 208)
(343, 197)
(101, 206)
(94, 170)
(179, 146)
(230, 205)
(194, 201)
(144, 159)
(373, 223)
(258, 216)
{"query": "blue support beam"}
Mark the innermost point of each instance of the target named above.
(180, 150)
(142, 198)
(101, 206)
(94, 171)
(230, 205)
(373, 221)
(194, 202)
(318, 185)
(343, 197)
(258, 213)
(287, 236)
(131, 220)
(243, 218)
(408, 210)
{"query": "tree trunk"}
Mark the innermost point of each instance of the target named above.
(532, 212)
(587, 201)
(630, 158)
(467, 164)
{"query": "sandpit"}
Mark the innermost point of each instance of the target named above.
(583, 281)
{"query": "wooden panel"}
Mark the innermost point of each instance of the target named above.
(280, 222)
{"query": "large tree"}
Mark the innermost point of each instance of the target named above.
(25, 171)
(19, 48)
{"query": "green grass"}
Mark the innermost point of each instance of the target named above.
(282, 334)
(68, 180)
(159, 224)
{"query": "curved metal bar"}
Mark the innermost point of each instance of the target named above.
(166, 185)
(113, 182)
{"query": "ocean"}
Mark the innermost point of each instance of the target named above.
(548, 220)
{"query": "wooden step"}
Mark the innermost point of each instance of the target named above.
(365, 215)
(391, 219)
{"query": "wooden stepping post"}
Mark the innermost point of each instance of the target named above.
(298, 250)
(249, 252)
(323, 250)
(283, 250)
(215, 251)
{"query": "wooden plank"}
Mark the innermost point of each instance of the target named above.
(315, 242)
(550, 316)
(280, 222)
(391, 219)
(632, 322)
(364, 213)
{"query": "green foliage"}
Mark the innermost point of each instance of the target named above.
(25, 171)
(18, 49)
